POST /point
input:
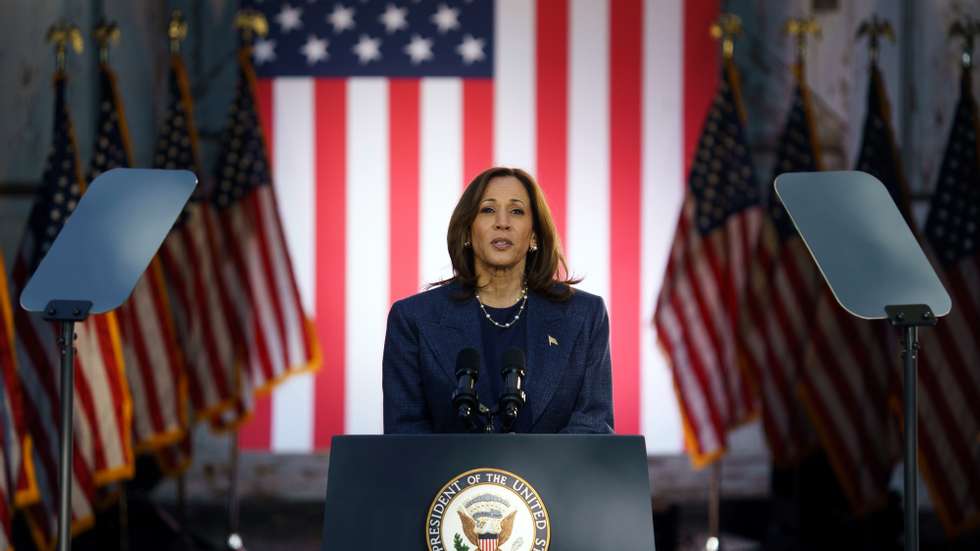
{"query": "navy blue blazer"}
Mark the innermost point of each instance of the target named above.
(569, 372)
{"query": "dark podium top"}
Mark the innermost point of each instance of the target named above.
(396, 491)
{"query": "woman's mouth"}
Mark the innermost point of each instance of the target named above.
(501, 244)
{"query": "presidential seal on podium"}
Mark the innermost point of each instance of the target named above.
(487, 510)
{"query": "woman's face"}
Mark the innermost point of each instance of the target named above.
(503, 229)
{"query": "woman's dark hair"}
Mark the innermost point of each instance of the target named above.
(545, 269)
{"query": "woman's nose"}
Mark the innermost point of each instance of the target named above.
(502, 222)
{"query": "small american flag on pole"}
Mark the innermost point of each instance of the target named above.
(154, 364)
(784, 284)
(281, 338)
(209, 330)
(706, 278)
(210, 333)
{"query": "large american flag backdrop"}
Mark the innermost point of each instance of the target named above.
(378, 113)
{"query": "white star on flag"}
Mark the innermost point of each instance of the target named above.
(315, 49)
(290, 18)
(368, 49)
(342, 18)
(419, 49)
(264, 51)
(471, 49)
(394, 18)
(446, 18)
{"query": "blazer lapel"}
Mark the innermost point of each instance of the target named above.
(458, 329)
(550, 335)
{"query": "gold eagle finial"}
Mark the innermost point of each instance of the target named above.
(251, 23)
(62, 35)
(801, 28)
(176, 30)
(727, 28)
(106, 34)
(875, 28)
(968, 29)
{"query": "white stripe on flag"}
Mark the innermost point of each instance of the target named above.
(294, 166)
(663, 193)
(367, 252)
(93, 370)
(441, 171)
(514, 85)
(588, 151)
(689, 386)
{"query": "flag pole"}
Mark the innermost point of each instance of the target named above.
(249, 23)
(67, 345)
(726, 28)
(234, 541)
(713, 543)
(66, 314)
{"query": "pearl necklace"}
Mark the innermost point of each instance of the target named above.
(517, 316)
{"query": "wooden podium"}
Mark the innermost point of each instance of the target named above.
(477, 492)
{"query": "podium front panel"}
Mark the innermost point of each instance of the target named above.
(576, 492)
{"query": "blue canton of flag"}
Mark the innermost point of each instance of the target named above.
(795, 153)
(375, 38)
(60, 188)
(722, 179)
(242, 164)
(111, 143)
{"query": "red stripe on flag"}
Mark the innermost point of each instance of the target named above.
(552, 21)
(477, 127)
(201, 306)
(84, 398)
(257, 432)
(700, 71)
(115, 379)
(268, 280)
(331, 253)
(625, 177)
(403, 178)
(698, 368)
(263, 101)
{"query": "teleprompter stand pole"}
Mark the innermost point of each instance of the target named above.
(909, 318)
(66, 313)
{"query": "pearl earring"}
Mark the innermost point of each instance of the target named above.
(466, 244)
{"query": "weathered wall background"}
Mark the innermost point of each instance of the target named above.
(141, 62)
(837, 72)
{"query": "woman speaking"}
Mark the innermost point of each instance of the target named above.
(510, 291)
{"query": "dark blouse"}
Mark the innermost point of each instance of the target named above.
(495, 341)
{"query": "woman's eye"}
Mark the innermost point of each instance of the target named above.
(517, 211)
(487, 210)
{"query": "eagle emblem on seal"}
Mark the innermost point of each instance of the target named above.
(487, 521)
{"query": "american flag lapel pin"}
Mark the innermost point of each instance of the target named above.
(552, 341)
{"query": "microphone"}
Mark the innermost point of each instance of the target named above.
(465, 401)
(514, 398)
